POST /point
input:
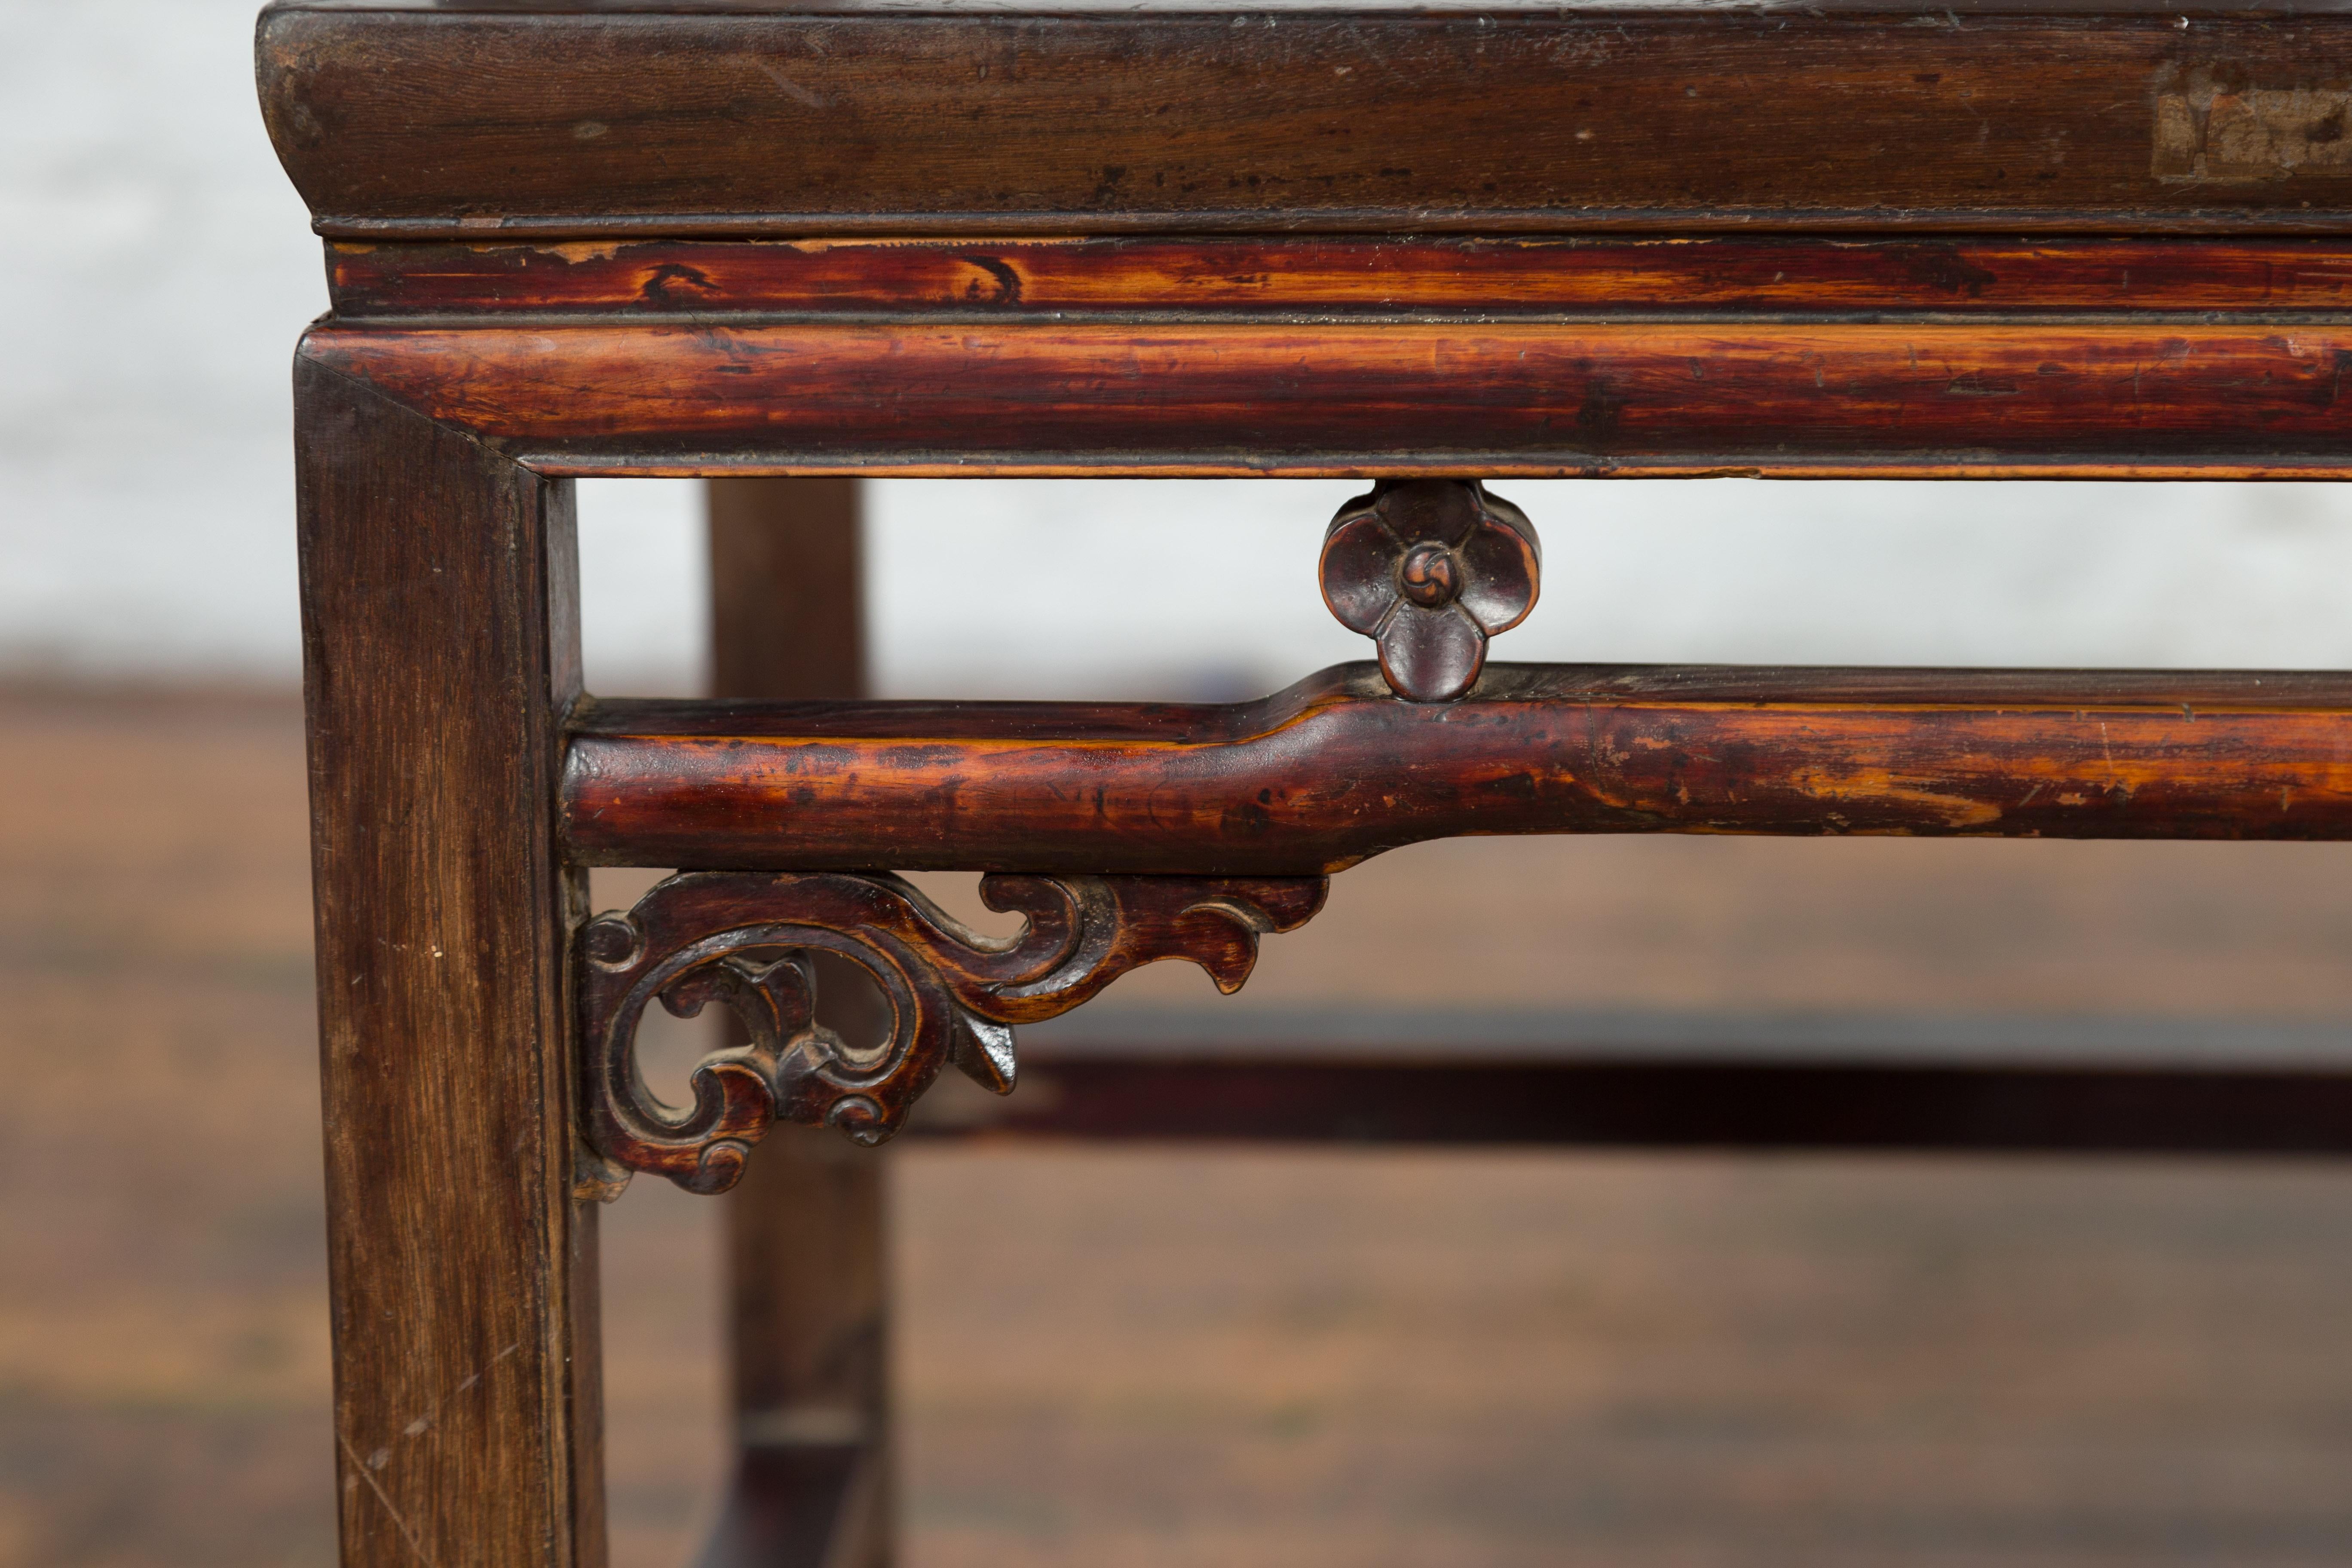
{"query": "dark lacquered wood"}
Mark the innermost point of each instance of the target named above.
(1336, 769)
(808, 1224)
(985, 277)
(742, 940)
(438, 593)
(1430, 570)
(686, 119)
(1922, 398)
(1680, 1104)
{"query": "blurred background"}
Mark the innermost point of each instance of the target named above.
(1150, 1355)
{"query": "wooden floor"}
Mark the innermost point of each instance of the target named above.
(1142, 1357)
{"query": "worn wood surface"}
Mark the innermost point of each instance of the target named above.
(1366, 243)
(437, 604)
(440, 644)
(1921, 398)
(808, 1225)
(1335, 769)
(994, 276)
(691, 119)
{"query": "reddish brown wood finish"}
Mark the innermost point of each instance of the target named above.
(1403, 399)
(1430, 570)
(1336, 769)
(1142, 239)
(991, 276)
(741, 939)
(694, 118)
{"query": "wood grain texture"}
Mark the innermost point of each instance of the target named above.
(440, 644)
(599, 120)
(988, 277)
(1335, 769)
(1406, 399)
(1163, 239)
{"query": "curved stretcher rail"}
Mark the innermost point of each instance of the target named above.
(1335, 769)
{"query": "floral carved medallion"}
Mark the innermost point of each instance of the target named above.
(1431, 569)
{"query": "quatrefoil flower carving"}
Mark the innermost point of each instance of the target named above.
(1430, 569)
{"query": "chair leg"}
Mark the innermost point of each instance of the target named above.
(440, 649)
(806, 1243)
(806, 1246)
(787, 597)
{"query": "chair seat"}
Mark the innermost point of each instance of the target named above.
(686, 118)
(1993, 240)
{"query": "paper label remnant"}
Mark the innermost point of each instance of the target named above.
(2210, 133)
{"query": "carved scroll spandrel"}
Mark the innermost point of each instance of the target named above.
(741, 939)
(1430, 570)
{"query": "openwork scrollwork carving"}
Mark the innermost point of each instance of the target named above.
(1430, 569)
(741, 938)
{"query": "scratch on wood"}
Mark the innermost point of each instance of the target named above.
(1882, 784)
(399, 1519)
(788, 87)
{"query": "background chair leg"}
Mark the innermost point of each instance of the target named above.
(805, 1229)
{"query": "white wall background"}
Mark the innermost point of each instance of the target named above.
(158, 268)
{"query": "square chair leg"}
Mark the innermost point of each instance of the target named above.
(440, 649)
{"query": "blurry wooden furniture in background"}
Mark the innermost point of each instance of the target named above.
(806, 1244)
(1399, 244)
